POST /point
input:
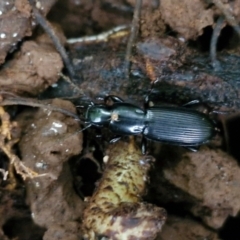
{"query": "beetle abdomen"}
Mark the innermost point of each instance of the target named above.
(180, 126)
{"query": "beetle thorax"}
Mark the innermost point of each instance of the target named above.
(98, 114)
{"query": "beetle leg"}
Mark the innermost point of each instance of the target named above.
(144, 145)
(146, 100)
(222, 112)
(88, 126)
(192, 149)
(193, 102)
(113, 98)
(115, 139)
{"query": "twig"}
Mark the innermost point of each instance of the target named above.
(34, 103)
(214, 40)
(114, 32)
(228, 15)
(41, 20)
(133, 35)
(6, 144)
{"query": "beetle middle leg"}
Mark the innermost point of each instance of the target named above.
(147, 102)
(144, 145)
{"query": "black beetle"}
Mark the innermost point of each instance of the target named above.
(173, 125)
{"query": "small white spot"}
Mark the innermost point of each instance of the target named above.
(67, 150)
(1, 12)
(182, 39)
(37, 184)
(114, 116)
(54, 85)
(105, 159)
(57, 124)
(4, 173)
(151, 104)
(41, 165)
(142, 162)
(32, 215)
(15, 35)
(105, 238)
(77, 2)
(88, 59)
(7, 3)
(2, 35)
(54, 130)
(38, 5)
(34, 23)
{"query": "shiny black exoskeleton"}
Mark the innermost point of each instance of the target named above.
(174, 125)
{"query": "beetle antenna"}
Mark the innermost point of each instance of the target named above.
(88, 126)
(17, 100)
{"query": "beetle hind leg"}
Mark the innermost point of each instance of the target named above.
(144, 145)
(193, 102)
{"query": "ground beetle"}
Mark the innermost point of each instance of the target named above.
(173, 125)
